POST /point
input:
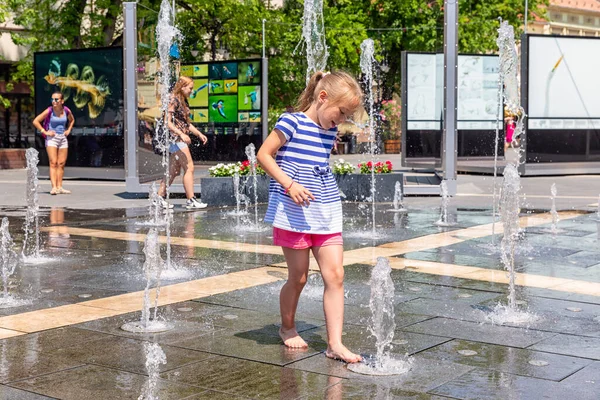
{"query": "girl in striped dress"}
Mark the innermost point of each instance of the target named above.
(304, 201)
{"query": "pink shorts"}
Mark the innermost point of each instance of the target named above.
(510, 130)
(299, 240)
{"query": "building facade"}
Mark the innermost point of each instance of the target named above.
(569, 17)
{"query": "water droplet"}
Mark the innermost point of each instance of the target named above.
(573, 262)
(538, 363)
(574, 309)
(530, 258)
(467, 352)
(464, 295)
(520, 302)
(414, 289)
(184, 309)
(230, 316)
(47, 290)
(97, 255)
(400, 342)
(84, 295)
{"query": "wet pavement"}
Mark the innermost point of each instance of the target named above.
(222, 297)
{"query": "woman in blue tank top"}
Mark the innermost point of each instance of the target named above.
(58, 127)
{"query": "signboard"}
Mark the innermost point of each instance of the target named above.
(91, 81)
(563, 83)
(226, 96)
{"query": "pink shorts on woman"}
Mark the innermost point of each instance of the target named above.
(300, 240)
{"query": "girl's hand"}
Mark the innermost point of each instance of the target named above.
(67, 132)
(203, 138)
(186, 139)
(50, 133)
(301, 195)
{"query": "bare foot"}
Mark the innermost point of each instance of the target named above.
(292, 339)
(343, 354)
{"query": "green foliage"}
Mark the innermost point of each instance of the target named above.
(210, 26)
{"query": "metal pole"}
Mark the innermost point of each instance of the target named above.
(526, 14)
(130, 94)
(449, 138)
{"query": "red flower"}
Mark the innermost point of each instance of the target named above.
(369, 164)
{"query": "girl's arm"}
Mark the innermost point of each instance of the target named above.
(71, 119)
(37, 122)
(296, 191)
(196, 132)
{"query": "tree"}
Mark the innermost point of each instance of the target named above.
(419, 27)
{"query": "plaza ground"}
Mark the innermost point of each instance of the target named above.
(222, 297)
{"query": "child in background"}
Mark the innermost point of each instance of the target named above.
(304, 201)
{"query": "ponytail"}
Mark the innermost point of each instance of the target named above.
(308, 95)
(339, 85)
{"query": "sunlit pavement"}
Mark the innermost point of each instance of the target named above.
(222, 296)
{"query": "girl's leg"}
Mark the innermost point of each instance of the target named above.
(174, 169)
(330, 260)
(53, 162)
(60, 171)
(188, 171)
(297, 261)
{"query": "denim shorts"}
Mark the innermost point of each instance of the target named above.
(177, 146)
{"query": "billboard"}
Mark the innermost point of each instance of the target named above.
(91, 81)
(563, 83)
(477, 92)
(227, 96)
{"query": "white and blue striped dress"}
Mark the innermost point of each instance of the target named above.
(305, 159)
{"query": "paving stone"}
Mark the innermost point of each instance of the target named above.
(95, 382)
(360, 340)
(507, 359)
(9, 393)
(189, 324)
(561, 316)
(18, 363)
(571, 345)
(477, 332)
(255, 345)
(588, 377)
(128, 354)
(354, 389)
(51, 340)
(247, 378)
(486, 384)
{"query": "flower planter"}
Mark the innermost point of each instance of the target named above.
(218, 192)
(357, 187)
(348, 185)
(391, 146)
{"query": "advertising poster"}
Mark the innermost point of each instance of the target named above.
(424, 84)
(227, 96)
(91, 82)
(478, 106)
(563, 83)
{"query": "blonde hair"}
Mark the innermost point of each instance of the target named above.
(181, 83)
(340, 86)
(177, 92)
